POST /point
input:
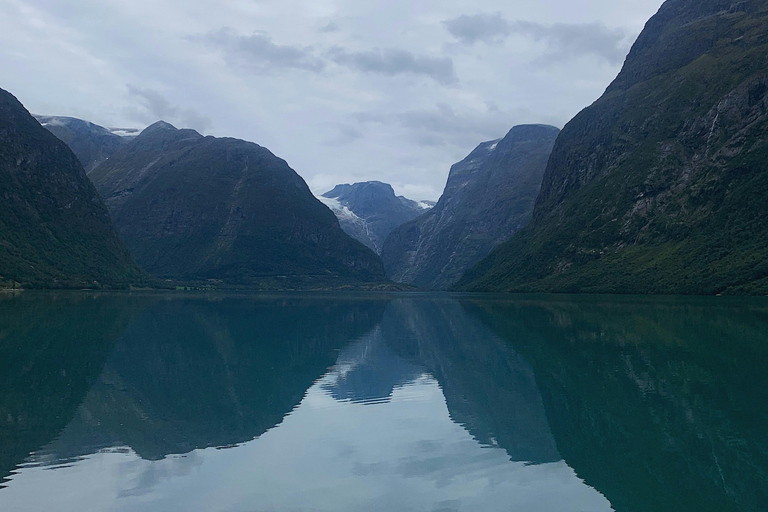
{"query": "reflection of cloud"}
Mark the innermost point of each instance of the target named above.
(367, 372)
(154, 472)
(565, 40)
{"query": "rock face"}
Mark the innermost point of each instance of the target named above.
(201, 208)
(489, 196)
(659, 186)
(54, 228)
(370, 211)
(91, 143)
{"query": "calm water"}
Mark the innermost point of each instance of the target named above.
(382, 403)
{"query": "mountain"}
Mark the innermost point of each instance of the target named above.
(488, 197)
(54, 228)
(203, 208)
(91, 143)
(370, 211)
(660, 185)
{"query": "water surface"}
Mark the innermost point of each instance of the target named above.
(382, 403)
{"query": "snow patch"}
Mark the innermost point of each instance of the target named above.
(53, 121)
(425, 205)
(339, 209)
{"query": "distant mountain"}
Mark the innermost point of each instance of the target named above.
(660, 186)
(54, 228)
(370, 211)
(91, 143)
(203, 208)
(488, 197)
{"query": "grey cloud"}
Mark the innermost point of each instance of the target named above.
(487, 28)
(444, 126)
(330, 27)
(155, 106)
(344, 134)
(391, 62)
(568, 40)
(565, 40)
(259, 51)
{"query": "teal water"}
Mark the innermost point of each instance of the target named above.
(382, 403)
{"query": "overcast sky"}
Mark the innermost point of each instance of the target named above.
(344, 90)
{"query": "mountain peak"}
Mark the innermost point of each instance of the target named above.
(370, 210)
(488, 196)
(659, 186)
(159, 126)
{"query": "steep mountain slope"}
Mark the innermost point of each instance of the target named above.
(488, 197)
(659, 186)
(202, 208)
(91, 143)
(370, 211)
(54, 228)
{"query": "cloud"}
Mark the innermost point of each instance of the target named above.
(567, 40)
(392, 62)
(259, 51)
(564, 40)
(486, 28)
(330, 27)
(444, 125)
(343, 134)
(154, 107)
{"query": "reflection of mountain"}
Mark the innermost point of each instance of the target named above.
(199, 373)
(368, 372)
(488, 387)
(52, 349)
(659, 404)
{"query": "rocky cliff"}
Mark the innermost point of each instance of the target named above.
(225, 210)
(488, 197)
(91, 143)
(370, 211)
(54, 228)
(660, 185)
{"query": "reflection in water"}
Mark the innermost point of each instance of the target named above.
(192, 374)
(52, 349)
(661, 404)
(385, 403)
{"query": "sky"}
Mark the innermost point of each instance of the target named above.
(343, 90)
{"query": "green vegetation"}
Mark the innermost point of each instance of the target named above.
(54, 229)
(659, 187)
(227, 213)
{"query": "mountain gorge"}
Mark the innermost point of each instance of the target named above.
(488, 197)
(660, 185)
(198, 208)
(55, 231)
(369, 211)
